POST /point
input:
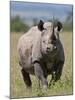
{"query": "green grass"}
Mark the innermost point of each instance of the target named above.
(61, 87)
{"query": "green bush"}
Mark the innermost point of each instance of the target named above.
(17, 25)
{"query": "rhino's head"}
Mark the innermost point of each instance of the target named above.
(49, 36)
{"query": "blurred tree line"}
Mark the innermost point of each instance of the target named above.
(68, 23)
(18, 25)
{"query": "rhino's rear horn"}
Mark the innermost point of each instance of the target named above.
(40, 25)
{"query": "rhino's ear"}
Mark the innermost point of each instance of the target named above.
(59, 25)
(40, 25)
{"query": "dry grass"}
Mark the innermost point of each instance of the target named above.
(62, 87)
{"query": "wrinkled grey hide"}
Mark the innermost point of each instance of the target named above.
(41, 53)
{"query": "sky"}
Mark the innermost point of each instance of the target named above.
(29, 10)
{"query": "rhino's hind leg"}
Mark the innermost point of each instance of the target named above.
(26, 78)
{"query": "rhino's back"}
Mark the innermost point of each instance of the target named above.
(26, 41)
(25, 45)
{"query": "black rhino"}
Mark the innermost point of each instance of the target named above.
(41, 53)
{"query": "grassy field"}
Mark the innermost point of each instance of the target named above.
(62, 87)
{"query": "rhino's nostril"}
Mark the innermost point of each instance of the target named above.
(48, 48)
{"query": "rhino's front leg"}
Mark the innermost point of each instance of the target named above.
(57, 72)
(40, 75)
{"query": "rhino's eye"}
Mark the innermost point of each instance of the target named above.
(43, 41)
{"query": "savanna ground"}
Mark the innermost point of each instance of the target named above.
(61, 87)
